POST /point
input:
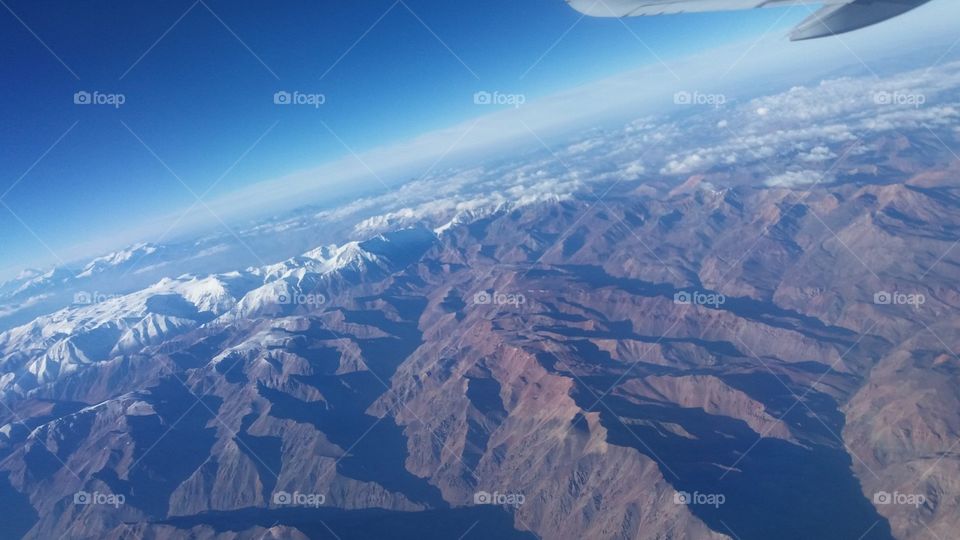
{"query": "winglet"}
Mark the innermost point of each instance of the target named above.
(833, 20)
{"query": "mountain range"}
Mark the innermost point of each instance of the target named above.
(590, 342)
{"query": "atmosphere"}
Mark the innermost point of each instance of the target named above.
(188, 93)
(479, 269)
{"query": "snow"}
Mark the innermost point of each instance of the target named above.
(116, 259)
(100, 327)
(60, 343)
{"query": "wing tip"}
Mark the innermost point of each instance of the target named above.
(840, 19)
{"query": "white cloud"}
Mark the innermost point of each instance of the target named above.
(808, 116)
(817, 154)
(642, 91)
(794, 179)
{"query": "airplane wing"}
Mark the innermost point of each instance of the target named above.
(834, 17)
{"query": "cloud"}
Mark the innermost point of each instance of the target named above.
(771, 59)
(802, 114)
(13, 309)
(817, 154)
(810, 124)
(794, 179)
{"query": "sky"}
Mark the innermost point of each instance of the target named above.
(198, 82)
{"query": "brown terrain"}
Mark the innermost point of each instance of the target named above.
(547, 352)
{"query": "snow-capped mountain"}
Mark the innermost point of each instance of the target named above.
(704, 331)
(122, 259)
(316, 276)
(13, 284)
(54, 277)
(99, 327)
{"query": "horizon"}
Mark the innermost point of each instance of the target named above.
(201, 74)
(422, 269)
(216, 201)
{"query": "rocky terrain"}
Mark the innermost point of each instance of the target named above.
(607, 342)
(664, 362)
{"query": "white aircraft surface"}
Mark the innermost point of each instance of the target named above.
(834, 17)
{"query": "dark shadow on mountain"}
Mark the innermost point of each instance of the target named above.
(484, 395)
(335, 524)
(174, 305)
(189, 352)
(383, 355)
(402, 247)
(776, 489)
(265, 452)
(826, 420)
(171, 445)
(231, 368)
(376, 448)
(718, 349)
(574, 242)
(97, 342)
(19, 515)
(747, 308)
(453, 303)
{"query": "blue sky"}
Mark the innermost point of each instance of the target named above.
(199, 78)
